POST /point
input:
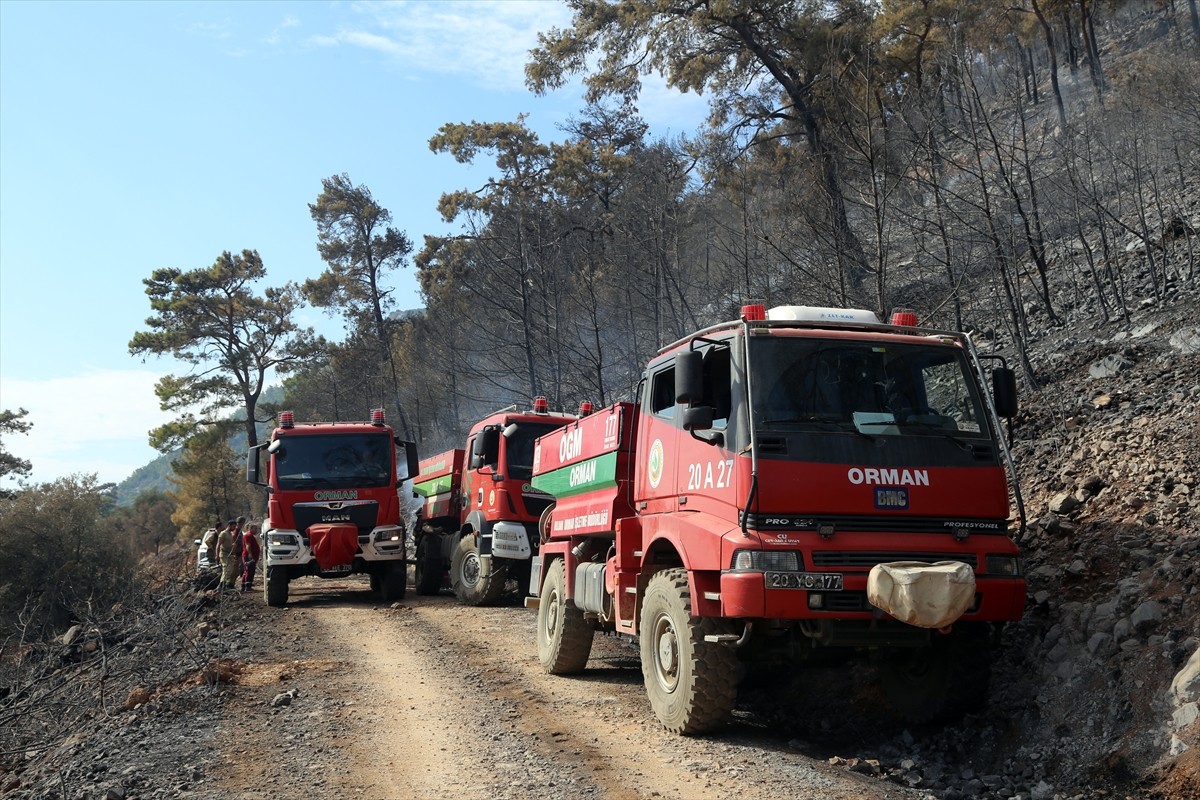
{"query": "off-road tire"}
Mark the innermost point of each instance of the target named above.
(691, 683)
(275, 586)
(393, 580)
(564, 638)
(940, 682)
(376, 582)
(470, 587)
(429, 571)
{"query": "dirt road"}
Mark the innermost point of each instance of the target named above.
(429, 699)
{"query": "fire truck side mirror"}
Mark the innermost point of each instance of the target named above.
(689, 380)
(486, 447)
(1004, 392)
(697, 418)
(252, 457)
(412, 463)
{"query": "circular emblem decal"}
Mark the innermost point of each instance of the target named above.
(654, 464)
(492, 498)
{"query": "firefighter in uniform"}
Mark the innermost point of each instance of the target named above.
(228, 557)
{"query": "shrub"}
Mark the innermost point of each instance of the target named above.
(62, 557)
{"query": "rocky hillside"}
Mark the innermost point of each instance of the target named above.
(1098, 687)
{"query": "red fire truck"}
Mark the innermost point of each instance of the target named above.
(793, 484)
(333, 507)
(479, 514)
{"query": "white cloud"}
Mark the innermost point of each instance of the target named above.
(95, 422)
(490, 43)
(487, 40)
(278, 36)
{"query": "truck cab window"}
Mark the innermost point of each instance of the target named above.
(662, 393)
(893, 390)
(519, 448)
(718, 389)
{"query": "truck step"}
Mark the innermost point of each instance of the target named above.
(722, 638)
(532, 602)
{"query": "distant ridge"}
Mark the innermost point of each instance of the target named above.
(157, 474)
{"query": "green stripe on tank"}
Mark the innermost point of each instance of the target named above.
(435, 486)
(586, 476)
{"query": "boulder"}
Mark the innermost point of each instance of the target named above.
(1185, 687)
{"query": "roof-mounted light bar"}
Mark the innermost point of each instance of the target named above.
(820, 314)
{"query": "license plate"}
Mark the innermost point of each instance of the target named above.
(823, 581)
(338, 568)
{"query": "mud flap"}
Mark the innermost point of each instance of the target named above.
(333, 544)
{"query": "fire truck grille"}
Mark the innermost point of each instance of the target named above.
(846, 601)
(873, 524)
(361, 515)
(857, 601)
(865, 559)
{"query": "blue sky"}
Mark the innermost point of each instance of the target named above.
(142, 135)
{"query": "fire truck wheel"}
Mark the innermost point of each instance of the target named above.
(916, 682)
(466, 575)
(428, 569)
(275, 586)
(375, 580)
(940, 682)
(691, 683)
(393, 581)
(564, 637)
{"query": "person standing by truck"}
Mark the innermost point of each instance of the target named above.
(227, 556)
(251, 549)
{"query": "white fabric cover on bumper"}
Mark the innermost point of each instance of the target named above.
(924, 595)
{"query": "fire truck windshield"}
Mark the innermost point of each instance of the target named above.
(519, 450)
(338, 461)
(869, 387)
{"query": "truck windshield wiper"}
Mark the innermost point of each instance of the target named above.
(827, 419)
(828, 422)
(878, 441)
(304, 482)
(935, 428)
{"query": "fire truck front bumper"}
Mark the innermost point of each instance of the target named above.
(385, 543)
(752, 594)
(285, 547)
(511, 540)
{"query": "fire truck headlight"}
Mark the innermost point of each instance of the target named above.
(764, 560)
(1007, 566)
(387, 536)
(281, 540)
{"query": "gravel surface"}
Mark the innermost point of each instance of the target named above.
(427, 698)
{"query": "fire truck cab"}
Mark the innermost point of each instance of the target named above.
(333, 505)
(789, 484)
